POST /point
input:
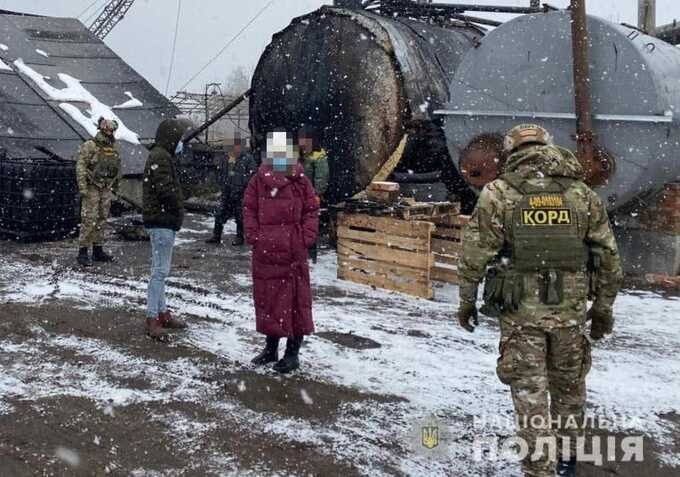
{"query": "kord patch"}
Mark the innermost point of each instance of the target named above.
(547, 216)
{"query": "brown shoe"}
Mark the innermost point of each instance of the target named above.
(168, 321)
(154, 329)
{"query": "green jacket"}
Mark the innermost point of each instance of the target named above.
(316, 169)
(98, 164)
(163, 200)
(487, 234)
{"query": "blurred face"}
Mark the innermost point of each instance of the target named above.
(235, 143)
(281, 154)
(306, 144)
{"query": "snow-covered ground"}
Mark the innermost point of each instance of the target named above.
(425, 364)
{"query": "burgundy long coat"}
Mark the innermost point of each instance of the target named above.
(281, 221)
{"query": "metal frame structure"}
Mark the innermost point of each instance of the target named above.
(113, 13)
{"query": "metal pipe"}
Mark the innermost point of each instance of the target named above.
(196, 132)
(583, 100)
(481, 21)
(647, 16)
(458, 8)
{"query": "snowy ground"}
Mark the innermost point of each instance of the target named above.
(73, 356)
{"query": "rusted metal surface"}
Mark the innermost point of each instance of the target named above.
(583, 100)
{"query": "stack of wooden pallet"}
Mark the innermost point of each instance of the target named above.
(403, 250)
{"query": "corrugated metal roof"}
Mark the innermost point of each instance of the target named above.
(30, 118)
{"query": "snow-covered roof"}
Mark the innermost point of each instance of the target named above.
(56, 79)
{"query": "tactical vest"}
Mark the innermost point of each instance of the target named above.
(543, 228)
(107, 166)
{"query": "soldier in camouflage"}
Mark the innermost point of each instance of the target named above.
(533, 234)
(98, 174)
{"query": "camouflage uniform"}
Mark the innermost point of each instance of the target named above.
(544, 353)
(98, 174)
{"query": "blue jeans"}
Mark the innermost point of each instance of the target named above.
(162, 243)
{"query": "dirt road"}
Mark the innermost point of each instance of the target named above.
(84, 392)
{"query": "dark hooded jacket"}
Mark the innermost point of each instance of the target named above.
(163, 199)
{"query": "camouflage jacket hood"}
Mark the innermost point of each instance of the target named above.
(541, 161)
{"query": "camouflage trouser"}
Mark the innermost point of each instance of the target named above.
(546, 371)
(94, 209)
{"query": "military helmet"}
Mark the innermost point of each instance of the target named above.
(110, 125)
(526, 134)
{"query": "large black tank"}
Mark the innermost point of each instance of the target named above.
(363, 81)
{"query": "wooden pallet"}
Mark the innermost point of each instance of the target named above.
(400, 255)
(386, 252)
(447, 247)
(427, 210)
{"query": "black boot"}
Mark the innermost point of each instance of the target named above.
(216, 239)
(314, 252)
(269, 354)
(84, 257)
(566, 468)
(238, 241)
(99, 255)
(290, 360)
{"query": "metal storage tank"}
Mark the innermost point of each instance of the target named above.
(363, 81)
(523, 72)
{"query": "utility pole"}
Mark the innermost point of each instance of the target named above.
(584, 104)
(647, 16)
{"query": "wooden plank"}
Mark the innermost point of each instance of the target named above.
(383, 268)
(447, 247)
(447, 275)
(448, 232)
(381, 238)
(388, 225)
(382, 253)
(447, 259)
(420, 289)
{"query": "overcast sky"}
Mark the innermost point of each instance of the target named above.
(144, 37)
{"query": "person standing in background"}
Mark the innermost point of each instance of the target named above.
(98, 176)
(315, 162)
(237, 170)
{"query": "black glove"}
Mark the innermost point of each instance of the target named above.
(465, 312)
(602, 322)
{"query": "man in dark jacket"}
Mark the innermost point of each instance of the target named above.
(237, 170)
(315, 161)
(163, 216)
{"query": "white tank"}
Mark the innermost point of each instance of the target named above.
(522, 72)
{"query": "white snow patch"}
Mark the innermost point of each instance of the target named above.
(4, 66)
(74, 92)
(42, 52)
(130, 103)
(3, 47)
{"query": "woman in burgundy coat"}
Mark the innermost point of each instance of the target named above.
(281, 221)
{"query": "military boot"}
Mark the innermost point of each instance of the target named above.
(216, 239)
(290, 360)
(154, 329)
(99, 255)
(566, 468)
(84, 257)
(269, 354)
(169, 321)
